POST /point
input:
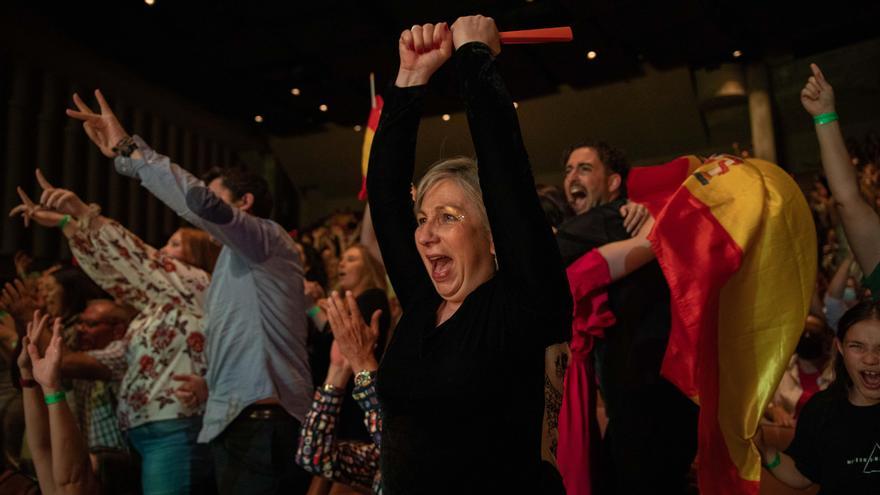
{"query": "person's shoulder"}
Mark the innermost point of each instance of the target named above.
(600, 215)
(821, 406)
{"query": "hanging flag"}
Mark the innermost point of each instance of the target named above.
(737, 245)
(376, 103)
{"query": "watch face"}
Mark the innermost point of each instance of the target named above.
(363, 378)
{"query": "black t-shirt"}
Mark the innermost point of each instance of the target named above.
(837, 445)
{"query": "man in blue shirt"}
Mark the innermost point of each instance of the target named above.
(258, 379)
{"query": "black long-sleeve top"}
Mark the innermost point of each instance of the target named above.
(463, 401)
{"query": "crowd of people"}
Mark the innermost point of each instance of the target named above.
(460, 335)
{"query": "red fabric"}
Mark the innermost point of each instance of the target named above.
(698, 256)
(372, 124)
(375, 113)
(575, 455)
(810, 385)
(653, 186)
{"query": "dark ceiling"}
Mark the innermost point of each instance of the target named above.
(239, 59)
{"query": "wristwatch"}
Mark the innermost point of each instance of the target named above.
(364, 378)
(125, 147)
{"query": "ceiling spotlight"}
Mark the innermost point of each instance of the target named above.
(258, 118)
(592, 55)
(150, 2)
(515, 105)
(357, 128)
(446, 117)
(294, 91)
(737, 54)
(323, 107)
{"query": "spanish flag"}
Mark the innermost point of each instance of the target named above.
(369, 132)
(737, 245)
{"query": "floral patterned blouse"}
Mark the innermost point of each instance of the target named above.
(166, 338)
(349, 462)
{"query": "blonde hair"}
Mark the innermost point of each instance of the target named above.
(461, 170)
(373, 269)
(199, 250)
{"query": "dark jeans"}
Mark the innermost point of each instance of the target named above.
(256, 456)
(650, 442)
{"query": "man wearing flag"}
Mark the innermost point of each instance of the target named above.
(651, 438)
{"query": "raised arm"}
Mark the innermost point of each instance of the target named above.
(423, 49)
(188, 196)
(524, 243)
(36, 418)
(860, 221)
(71, 468)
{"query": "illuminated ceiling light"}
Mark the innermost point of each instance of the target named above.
(258, 118)
(515, 105)
(592, 55)
(446, 117)
(737, 54)
(294, 91)
(150, 2)
(323, 107)
(357, 128)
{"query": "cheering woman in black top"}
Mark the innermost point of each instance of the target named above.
(479, 277)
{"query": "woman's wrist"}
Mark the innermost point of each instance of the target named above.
(366, 364)
(407, 78)
(337, 376)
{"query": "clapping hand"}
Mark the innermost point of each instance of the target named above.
(356, 339)
(103, 129)
(46, 368)
(817, 97)
(19, 299)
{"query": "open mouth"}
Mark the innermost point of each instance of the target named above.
(577, 193)
(440, 267)
(871, 379)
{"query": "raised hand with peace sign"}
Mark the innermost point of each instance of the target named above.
(103, 129)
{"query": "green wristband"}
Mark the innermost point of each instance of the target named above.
(777, 460)
(313, 311)
(53, 398)
(825, 118)
(64, 221)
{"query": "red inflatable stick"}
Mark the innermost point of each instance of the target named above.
(529, 36)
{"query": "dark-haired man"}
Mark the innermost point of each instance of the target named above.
(651, 437)
(259, 382)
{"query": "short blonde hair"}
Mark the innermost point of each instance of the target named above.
(461, 170)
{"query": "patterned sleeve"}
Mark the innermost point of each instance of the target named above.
(319, 452)
(368, 401)
(136, 272)
(113, 357)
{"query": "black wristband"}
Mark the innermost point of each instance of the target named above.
(125, 147)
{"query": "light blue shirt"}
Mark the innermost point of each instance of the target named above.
(256, 316)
